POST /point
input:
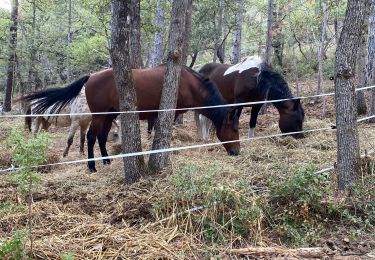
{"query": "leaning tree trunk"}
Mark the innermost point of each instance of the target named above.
(348, 158)
(157, 49)
(236, 53)
(186, 45)
(163, 128)
(267, 54)
(130, 131)
(12, 58)
(135, 35)
(361, 66)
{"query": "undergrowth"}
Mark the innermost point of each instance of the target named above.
(297, 209)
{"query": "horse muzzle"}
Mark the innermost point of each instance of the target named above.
(233, 152)
(298, 136)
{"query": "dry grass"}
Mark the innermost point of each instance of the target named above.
(97, 217)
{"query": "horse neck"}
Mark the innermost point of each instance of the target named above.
(207, 94)
(279, 90)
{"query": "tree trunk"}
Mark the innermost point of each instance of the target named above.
(69, 75)
(267, 54)
(12, 58)
(361, 66)
(371, 44)
(157, 53)
(219, 30)
(320, 88)
(131, 136)
(260, 35)
(295, 68)
(236, 54)
(371, 60)
(135, 35)
(186, 45)
(345, 101)
(31, 78)
(278, 37)
(163, 127)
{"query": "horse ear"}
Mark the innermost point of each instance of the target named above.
(297, 103)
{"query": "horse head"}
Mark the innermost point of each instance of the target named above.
(291, 118)
(228, 132)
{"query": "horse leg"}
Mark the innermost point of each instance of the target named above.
(72, 131)
(102, 138)
(253, 119)
(35, 125)
(83, 130)
(204, 127)
(96, 125)
(150, 125)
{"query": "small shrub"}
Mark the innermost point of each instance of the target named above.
(225, 210)
(14, 248)
(296, 207)
(67, 256)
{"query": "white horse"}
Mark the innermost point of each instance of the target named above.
(78, 106)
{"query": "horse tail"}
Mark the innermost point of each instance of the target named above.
(28, 118)
(55, 98)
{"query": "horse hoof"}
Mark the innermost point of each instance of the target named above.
(64, 154)
(92, 170)
(106, 161)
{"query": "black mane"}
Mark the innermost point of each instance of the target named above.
(212, 98)
(275, 84)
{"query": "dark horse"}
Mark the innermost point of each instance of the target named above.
(102, 96)
(257, 82)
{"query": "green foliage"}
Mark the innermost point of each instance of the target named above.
(304, 205)
(8, 207)
(225, 210)
(14, 248)
(296, 209)
(27, 152)
(67, 256)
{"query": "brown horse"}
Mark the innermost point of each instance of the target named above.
(257, 82)
(101, 93)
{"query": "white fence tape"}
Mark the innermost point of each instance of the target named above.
(180, 109)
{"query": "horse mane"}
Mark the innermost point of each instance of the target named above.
(274, 83)
(213, 98)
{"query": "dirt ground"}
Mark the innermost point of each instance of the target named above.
(94, 216)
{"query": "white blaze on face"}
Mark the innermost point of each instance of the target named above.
(248, 63)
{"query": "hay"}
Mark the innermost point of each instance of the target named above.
(94, 216)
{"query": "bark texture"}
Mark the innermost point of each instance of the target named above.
(163, 127)
(131, 136)
(7, 106)
(157, 49)
(361, 65)
(267, 54)
(236, 54)
(345, 101)
(135, 35)
(370, 78)
(68, 56)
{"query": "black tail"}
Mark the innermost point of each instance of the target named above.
(55, 98)
(28, 119)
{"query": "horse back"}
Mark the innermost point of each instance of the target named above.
(235, 87)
